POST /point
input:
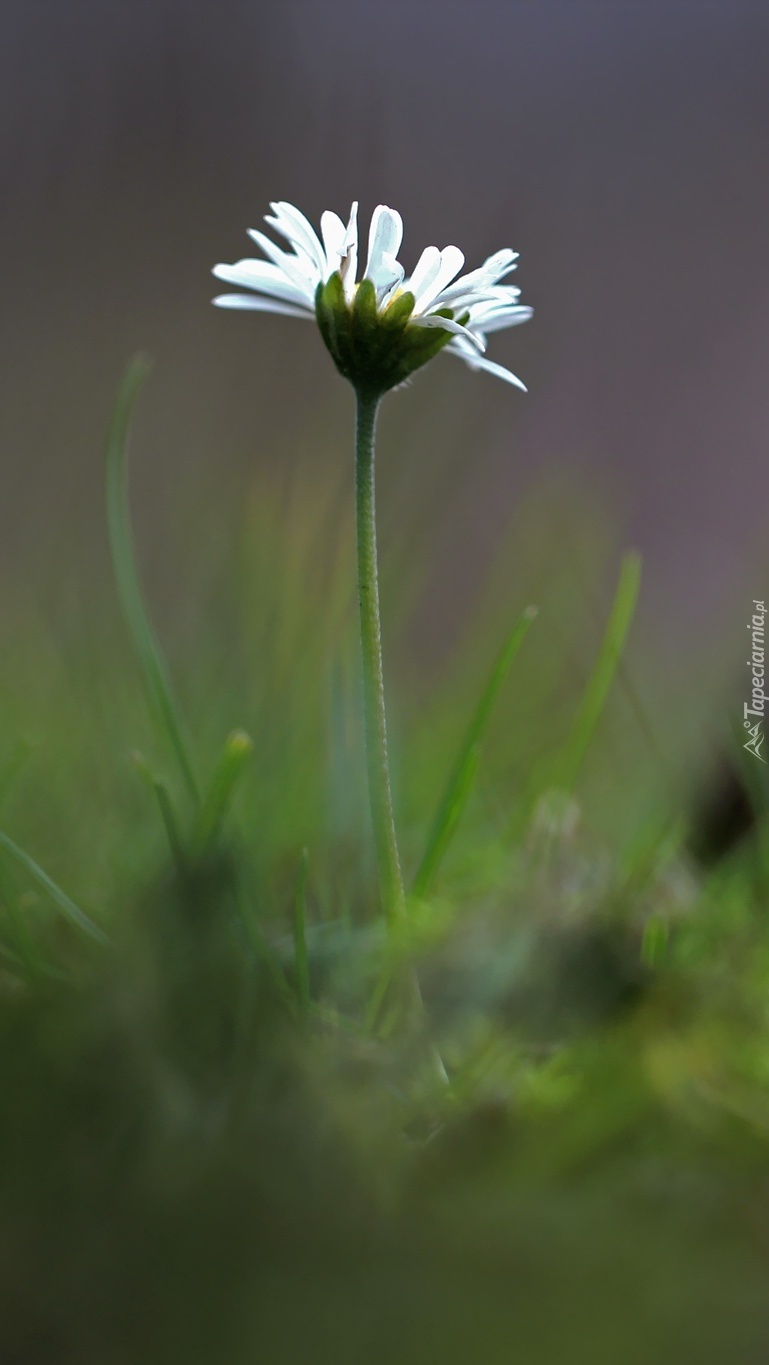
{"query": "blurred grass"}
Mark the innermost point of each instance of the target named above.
(206, 1155)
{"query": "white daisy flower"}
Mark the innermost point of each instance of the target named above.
(383, 327)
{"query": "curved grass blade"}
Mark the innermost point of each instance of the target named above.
(232, 762)
(600, 680)
(60, 899)
(159, 789)
(129, 590)
(462, 776)
(20, 941)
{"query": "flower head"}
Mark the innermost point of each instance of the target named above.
(381, 328)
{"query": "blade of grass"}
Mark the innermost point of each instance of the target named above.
(456, 794)
(462, 775)
(129, 589)
(301, 960)
(61, 900)
(237, 750)
(22, 941)
(159, 788)
(600, 680)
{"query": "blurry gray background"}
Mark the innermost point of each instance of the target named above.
(621, 147)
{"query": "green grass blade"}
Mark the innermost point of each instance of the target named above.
(159, 789)
(600, 681)
(301, 959)
(236, 752)
(60, 899)
(21, 939)
(462, 776)
(128, 586)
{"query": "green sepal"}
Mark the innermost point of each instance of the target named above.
(335, 323)
(397, 313)
(322, 317)
(376, 350)
(366, 337)
(364, 306)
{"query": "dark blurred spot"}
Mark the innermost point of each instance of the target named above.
(724, 815)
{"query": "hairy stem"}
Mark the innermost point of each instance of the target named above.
(380, 795)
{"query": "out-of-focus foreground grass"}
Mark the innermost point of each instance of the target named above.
(211, 1147)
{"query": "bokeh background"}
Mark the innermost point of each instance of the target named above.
(619, 146)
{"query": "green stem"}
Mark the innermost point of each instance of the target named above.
(380, 795)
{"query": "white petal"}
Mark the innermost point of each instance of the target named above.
(424, 273)
(297, 268)
(333, 233)
(501, 318)
(260, 305)
(481, 299)
(384, 239)
(278, 256)
(477, 362)
(498, 264)
(299, 231)
(492, 294)
(349, 265)
(448, 325)
(451, 262)
(392, 275)
(306, 260)
(487, 275)
(267, 278)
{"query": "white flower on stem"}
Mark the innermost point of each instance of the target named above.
(383, 327)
